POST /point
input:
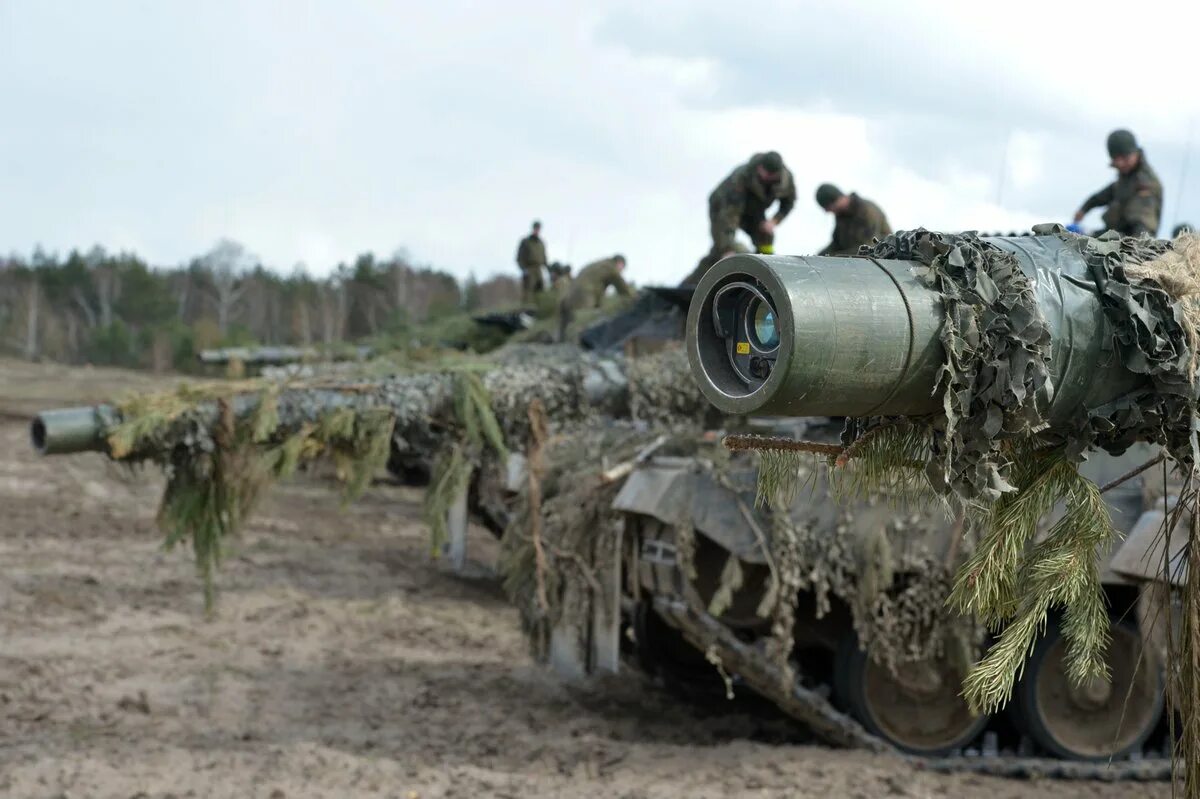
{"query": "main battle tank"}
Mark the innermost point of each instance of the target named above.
(866, 337)
(877, 575)
(716, 597)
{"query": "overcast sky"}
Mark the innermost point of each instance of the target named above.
(313, 131)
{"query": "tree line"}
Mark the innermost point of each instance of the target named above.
(115, 309)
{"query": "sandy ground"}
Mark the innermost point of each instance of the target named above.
(342, 662)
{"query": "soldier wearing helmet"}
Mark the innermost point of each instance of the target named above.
(1133, 202)
(588, 288)
(741, 202)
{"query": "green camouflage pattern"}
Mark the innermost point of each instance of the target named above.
(1132, 203)
(862, 223)
(531, 257)
(588, 288)
(531, 252)
(741, 201)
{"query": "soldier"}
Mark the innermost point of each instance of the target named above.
(741, 201)
(531, 257)
(560, 278)
(588, 287)
(857, 220)
(1134, 200)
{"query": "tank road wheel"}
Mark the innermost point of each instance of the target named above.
(1102, 718)
(918, 710)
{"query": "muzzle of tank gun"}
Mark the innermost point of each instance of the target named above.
(815, 336)
(69, 430)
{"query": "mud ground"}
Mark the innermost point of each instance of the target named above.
(341, 662)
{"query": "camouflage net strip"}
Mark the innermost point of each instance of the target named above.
(897, 603)
(216, 474)
(997, 348)
(560, 545)
(477, 428)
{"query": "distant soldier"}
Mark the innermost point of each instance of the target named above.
(1134, 200)
(741, 202)
(560, 278)
(588, 288)
(858, 221)
(531, 257)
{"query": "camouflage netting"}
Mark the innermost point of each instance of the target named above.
(220, 444)
(997, 347)
(894, 578)
(560, 546)
(897, 602)
(219, 453)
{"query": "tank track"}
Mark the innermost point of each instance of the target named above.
(809, 707)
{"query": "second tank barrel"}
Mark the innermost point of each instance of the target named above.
(70, 429)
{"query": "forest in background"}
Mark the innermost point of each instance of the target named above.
(115, 309)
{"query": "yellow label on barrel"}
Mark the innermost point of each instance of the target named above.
(743, 348)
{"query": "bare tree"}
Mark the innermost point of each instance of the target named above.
(333, 301)
(32, 307)
(302, 324)
(182, 283)
(227, 262)
(106, 281)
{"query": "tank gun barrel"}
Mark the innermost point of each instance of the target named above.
(422, 403)
(68, 430)
(859, 336)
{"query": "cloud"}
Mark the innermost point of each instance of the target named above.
(312, 131)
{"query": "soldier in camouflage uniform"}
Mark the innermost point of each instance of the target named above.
(588, 287)
(1134, 200)
(741, 201)
(858, 220)
(531, 257)
(560, 278)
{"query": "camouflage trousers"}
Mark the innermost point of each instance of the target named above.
(724, 226)
(566, 315)
(532, 283)
(725, 223)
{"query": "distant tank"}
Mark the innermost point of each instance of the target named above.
(278, 362)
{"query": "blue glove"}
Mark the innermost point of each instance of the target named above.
(1074, 228)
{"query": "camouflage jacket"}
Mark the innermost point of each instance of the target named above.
(1134, 201)
(531, 252)
(861, 223)
(588, 287)
(742, 194)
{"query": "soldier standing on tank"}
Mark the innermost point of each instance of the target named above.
(588, 287)
(858, 221)
(741, 202)
(531, 257)
(560, 278)
(1134, 200)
